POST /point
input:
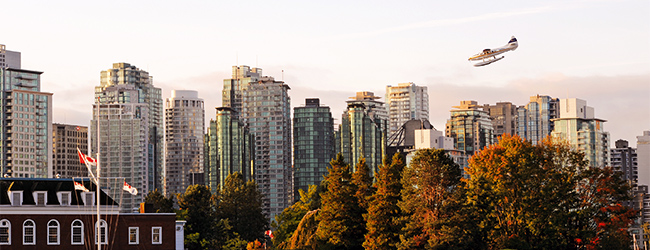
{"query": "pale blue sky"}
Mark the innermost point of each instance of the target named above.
(598, 51)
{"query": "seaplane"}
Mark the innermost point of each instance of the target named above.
(488, 56)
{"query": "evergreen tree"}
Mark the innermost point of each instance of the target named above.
(340, 225)
(362, 179)
(428, 186)
(383, 223)
(241, 204)
(160, 203)
(197, 209)
(287, 222)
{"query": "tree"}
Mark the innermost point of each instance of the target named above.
(305, 235)
(197, 208)
(287, 222)
(241, 204)
(545, 197)
(429, 183)
(362, 179)
(161, 204)
(383, 223)
(340, 225)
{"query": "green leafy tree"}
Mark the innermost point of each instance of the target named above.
(197, 208)
(340, 224)
(241, 204)
(161, 204)
(429, 185)
(383, 223)
(287, 222)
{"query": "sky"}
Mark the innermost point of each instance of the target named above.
(598, 51)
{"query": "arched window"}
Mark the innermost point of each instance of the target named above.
(77, 233)
(5, 232)
(100, 232)
(29, 232)
(53, 232)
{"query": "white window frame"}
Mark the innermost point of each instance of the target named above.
(4, 223)
(57, 227)
(68, 195)
(72, 227)
(153, 233)
(98, 226)
(137, 236)
(36, 194)
(15, 203)
(85, 196)
(33, 234)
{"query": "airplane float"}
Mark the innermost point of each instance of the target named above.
(490, 55)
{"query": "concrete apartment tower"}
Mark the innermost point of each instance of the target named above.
(25, 120)
(504, 118)
(184, 126)
(229, 148)
(313, 144)
(534, 119)
(624, 159)
(406, 102)
(643, 158)
(66, 139)
(263, 104)
(470, 127)
(363, 131)
(585, 133)
(142, 82)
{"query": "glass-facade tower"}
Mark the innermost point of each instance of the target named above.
(313, 144)
(534, 119)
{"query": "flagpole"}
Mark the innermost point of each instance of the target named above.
(99, 231)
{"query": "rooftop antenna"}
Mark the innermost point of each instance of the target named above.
(236, 58)
(282, 75)
(255, 61)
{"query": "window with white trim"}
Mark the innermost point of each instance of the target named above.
(100, 232)
(29, 232)
(156, 235)
(40, 197)
(134, 235)
(5, 232)
(77, 233)
(53, 232)
(64, 198)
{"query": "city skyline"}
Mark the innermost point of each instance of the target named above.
(329, 52)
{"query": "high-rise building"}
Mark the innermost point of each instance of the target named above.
(504, 118)
(126, 74)
(363, 131)
(623, 159)
(313, 143)
(184, 126)
(124, 147)
(470, 127)
(229, 148)
(534, 119)
(9, 59)
(643, 158)
(66, 139)
(25, 121)
(585, 133)
(406, 102)
(233, 88)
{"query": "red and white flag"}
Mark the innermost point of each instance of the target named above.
(88, 161)
(79, 186)
(269, 233)
(130, 189)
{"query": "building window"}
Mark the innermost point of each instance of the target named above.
(156, 235)
(29, 229)
(77, 237)
(134, 235)
(53, 232)
(100, 232)
(5, 232)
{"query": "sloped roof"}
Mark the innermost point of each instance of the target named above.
(52, 186)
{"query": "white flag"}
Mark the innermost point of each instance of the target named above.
(130, 189)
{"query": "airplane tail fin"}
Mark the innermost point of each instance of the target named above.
(513, 40)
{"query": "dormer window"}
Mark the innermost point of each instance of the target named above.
(88, 198)
(64, 198)
(16, 198)
(40, 198)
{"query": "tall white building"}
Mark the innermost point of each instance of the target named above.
(184, 126)
(578, 126)
(147, 93)
(25, 120)
(643, 158)
(406, 102)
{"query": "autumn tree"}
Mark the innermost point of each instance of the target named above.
(383, 217)
(287, 222)
(160, 203)
(340, 225)
(362, 179)
(429, 183)
(240, 203)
